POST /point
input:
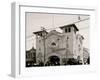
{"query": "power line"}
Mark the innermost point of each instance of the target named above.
(70, 23)
(33, 39)
(58, 27)
(79, 29)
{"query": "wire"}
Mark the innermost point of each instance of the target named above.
(58, 27)
(79, 29)
(70, 23)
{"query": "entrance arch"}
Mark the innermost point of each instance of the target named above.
(53, 61)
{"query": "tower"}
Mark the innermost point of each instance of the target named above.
(40, 45)
(69, 31)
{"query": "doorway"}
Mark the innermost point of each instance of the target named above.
(53, 61)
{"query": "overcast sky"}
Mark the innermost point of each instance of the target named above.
(34, 22)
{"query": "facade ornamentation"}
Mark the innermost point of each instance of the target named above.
(59, 48)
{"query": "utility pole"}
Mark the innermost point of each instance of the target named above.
(44, 37)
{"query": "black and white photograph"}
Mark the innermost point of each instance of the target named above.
(54, 39)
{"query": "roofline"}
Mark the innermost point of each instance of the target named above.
(39, 32)
(70, 26)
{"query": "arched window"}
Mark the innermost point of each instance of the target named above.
(54, 44)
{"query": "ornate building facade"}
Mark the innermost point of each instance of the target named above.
(58, 48)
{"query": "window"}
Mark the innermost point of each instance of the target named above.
(66, 30)
(67, 42)
(67, 46)
(54, 44)
(40, 34)
(69, 30)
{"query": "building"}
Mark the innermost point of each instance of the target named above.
(86, 56)
(57, 48)
(30, 57)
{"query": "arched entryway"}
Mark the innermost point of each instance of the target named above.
(53, 61)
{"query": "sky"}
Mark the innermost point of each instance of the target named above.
(34, 22)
